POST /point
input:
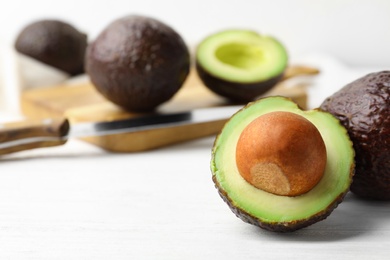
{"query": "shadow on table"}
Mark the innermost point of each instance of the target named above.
(205, 143)
(354, 217)
(22, 156)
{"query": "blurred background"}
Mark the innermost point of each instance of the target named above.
(352, 32)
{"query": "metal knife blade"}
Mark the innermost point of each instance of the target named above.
(154, 121)
(26, 135)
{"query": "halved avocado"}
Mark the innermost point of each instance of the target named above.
(267, 209)
(240, 64)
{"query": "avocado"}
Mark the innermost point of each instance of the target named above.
(363, 107)
(55, 43)
(138, 62)
(239, 64)
(281, 168)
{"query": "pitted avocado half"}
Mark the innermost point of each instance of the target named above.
(282, 168)
(240, 64)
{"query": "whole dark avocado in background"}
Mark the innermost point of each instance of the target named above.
(363, 107)
(55, 43)
(138, 62)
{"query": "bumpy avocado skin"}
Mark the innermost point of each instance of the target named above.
(363, 107)
(55, 43)
(236, 91)
(283, 227)
(138, 62)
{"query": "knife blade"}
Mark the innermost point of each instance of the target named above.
(27, 135)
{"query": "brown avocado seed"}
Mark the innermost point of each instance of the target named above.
(282, 153)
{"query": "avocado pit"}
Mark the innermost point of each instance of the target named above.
(282, 153)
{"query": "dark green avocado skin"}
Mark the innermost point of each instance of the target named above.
(363, 107)
(138, 63)
(54, 43)
(276, 226)
(236, 91)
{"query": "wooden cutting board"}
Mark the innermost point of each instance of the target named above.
(82, 103)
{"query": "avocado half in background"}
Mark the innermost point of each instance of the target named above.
(281, 168)
(363, 107)
(55, 43)
(138, 62)
(240, 64)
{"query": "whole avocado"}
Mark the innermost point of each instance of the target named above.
(138, 62)
(55, 43)
(363, 107)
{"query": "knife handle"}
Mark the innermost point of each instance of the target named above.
(31, 134)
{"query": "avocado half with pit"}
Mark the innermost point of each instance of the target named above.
(240, 64)
(282, 168)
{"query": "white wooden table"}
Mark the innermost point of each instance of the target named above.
(80, 202)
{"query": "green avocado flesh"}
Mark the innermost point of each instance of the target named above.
(275, 209)
(242, 56)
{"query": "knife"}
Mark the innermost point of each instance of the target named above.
(25, 135)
